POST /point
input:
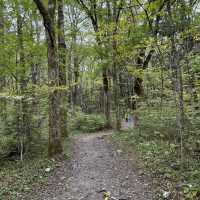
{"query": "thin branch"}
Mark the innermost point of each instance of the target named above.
(90, 13)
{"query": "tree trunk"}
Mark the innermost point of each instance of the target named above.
(62, 69)
(76, 70)
(116, 88)
(61, 45)
(115, 69)
(24, 115)
(2, 29)
(70, 94)
(35, 68)
(55, 137)
(107, 98)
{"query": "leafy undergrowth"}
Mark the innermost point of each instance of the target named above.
(17, 178)
(20, 178)
(173, 179)
(87, 123)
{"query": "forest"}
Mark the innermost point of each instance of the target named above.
(100, 99)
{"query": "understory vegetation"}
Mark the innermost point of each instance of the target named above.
(18, 180)
(20, 175)
(87, 123)
(83, 66)
(159, 152)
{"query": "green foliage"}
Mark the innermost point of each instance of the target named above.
(7, 145)
(20, 121)
(18, 179)
(21, 178)
(87, 123)
(155, 140)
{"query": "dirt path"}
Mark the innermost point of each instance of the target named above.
(96, 167)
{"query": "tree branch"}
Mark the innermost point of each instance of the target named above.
(92, 15)
(46, 19)
(119, 11)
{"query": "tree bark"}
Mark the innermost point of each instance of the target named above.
(2, 30)
(107, 98)
(115, 67)
(55, 137)
(116, 88)
(61, 44)
(62, 68)
(24, 122)
(76, 70)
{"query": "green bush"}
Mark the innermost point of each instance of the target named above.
(7, 144)
(157, 143)
(87, 123)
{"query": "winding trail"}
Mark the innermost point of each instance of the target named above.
(96, 167)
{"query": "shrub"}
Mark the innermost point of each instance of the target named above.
(87, 123)
(7, 145)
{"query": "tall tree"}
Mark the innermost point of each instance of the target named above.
(2, 29)
(116, 11)
(55, 136)
(92, 11)
(62, 67)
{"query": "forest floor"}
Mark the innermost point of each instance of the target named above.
(98, 170)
